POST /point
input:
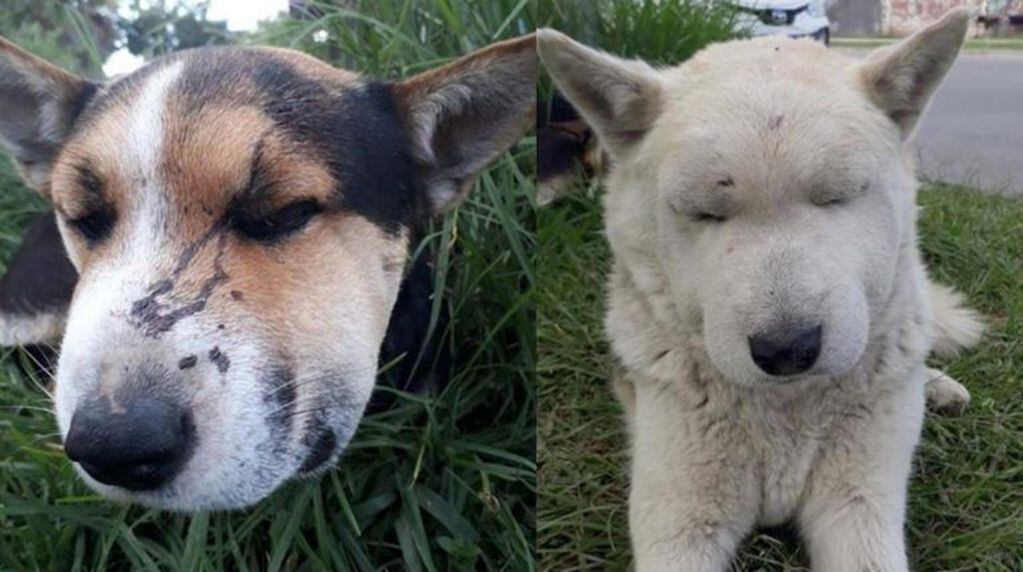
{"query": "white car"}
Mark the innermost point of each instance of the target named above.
(794, 18)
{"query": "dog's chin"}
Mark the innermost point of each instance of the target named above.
(175, 498)
(186, 494)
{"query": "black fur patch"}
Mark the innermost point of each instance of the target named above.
(322, 442)
(358, 133)
(40, 277)
(280, 398)
(82, 99)
(408, 335)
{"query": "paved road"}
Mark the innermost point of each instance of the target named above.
(973, 130)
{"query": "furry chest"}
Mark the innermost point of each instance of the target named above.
(787, 430)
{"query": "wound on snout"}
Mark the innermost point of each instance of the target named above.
(155, 316)
(220, 359)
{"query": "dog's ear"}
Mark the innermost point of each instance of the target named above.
(38, 104)
(464, 115)
(620, 99)
(900, 79)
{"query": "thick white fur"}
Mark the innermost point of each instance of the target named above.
(767, 132)
(42, 328)
(955, 326)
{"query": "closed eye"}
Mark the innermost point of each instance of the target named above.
(277, 225)
(95, 226)
(832, 198)
(830, 201)
(707, 217)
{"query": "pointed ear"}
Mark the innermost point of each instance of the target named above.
(38, 104)
(619, 98)
(900, 79)
(464, 115)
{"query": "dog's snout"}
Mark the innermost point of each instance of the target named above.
(139, 444)
(785, 352)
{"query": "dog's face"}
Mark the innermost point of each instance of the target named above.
(761, 188)
(240, 219)
(781, 212)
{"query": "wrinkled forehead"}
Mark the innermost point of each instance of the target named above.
(754, 114)
(202, 121)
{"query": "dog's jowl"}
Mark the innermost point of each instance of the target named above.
(240, 221)
(768, 301)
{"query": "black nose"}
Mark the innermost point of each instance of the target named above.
(787, 354)
(137, 444)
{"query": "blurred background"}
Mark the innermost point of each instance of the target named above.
(971, 132)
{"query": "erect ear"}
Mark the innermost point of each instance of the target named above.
(38, 104)
(620, 99)
(900, 79)
(464, 115)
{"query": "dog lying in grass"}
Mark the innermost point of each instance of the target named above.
(768, 303)
(239, 221)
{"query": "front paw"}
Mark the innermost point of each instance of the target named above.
(945, 396)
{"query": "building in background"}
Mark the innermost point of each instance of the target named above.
(901, 17)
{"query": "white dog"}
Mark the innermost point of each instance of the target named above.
(768, 302)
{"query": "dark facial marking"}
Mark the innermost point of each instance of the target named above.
(98, 216)
(776, 122)
(280, 399)
(188, 362)
(39, 278)
(89, 180)
(321, 442)
(357, 132)
(82, 99)
(220, 359)
(152, 316)
(726, 182)
(237, 295)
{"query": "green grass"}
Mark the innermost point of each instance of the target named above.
(966, 496)
(444, 482)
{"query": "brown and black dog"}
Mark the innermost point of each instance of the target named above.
(239, 221)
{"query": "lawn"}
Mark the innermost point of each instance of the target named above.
(437, 482)
(966, 494)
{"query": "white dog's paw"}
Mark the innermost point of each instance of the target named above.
(945, 395)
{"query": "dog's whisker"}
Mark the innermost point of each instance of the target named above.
(303, 380)
(41, 371)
